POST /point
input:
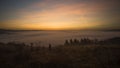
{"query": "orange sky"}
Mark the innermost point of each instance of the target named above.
(60, 15)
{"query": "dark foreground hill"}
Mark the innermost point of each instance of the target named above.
(88, 56)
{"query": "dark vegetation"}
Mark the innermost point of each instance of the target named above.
(87, 41)
(84, 53)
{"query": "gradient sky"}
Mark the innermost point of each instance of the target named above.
(60, 14)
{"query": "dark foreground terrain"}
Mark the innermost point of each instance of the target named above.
(14, 55)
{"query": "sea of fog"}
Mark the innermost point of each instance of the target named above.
(43, 38)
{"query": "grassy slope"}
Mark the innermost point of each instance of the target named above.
(90, 56)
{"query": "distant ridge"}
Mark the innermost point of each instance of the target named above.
(18, 30)
(117, 30)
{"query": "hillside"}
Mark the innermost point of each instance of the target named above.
(87, 56)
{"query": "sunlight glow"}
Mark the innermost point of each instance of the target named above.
(56, 15)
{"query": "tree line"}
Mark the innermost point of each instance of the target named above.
(87, 41)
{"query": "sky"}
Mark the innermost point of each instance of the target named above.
(60, 14)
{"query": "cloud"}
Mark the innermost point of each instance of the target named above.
(79, 14)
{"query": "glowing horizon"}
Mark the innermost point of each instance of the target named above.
(61, 15)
